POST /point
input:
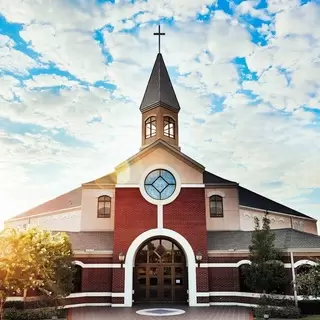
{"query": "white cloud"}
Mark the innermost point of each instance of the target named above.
(74, 51)
(77, 15)
(49, 80)
(227, 40)
(14, 60)
(7, 86)
(303, 20)
(248, 7)
(280, 5)
(295, 48)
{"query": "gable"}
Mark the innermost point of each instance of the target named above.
(131, 171)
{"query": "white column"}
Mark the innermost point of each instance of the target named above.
(160, 216)
(294, 280)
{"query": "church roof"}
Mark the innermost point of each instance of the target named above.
(240, 240)
(65, 201)
(212, 179)
(91, 240)
(251, 199)
(159, 90)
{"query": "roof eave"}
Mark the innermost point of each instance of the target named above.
(159, 104)
(224, 184)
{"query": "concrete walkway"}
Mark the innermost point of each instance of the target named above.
(209, 313)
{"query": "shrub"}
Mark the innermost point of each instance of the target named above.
(33, 314)
(309, 306)
(14, 304)
(271, 300)
(277, 312)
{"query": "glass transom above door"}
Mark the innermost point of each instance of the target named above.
(160, 184)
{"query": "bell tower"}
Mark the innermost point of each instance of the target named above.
(159, 107)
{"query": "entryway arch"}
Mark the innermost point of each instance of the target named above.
(160, 272)
(160, 233)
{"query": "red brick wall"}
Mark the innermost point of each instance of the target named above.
(133, 216)
(186, 215)
(96, 280)
(224, 279)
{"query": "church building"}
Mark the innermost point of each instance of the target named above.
(162, 229)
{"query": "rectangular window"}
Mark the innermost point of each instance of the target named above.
(104, 207)
(216, 207)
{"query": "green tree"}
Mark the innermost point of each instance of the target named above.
(34, 259)
(266, 273)
(308, 282)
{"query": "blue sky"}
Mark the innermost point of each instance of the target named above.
(73, 73)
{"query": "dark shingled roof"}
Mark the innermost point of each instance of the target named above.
(159, 89)
(251, 199)
(210, 178)
(91, 240)
(65, 201)
(240, 240)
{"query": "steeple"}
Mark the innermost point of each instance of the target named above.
(159, 90)
(160, 108)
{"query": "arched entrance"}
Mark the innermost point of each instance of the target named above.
(160, 272)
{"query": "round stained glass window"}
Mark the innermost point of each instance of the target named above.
(160, 184)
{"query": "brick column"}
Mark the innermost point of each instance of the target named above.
(202, 284)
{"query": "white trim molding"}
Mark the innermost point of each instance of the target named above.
(192, 185)
(183, 185)
(233, 304)
(97, 265)
(244, 294)
(123, 185)
(202, 265)
(92, 252)
(14, 299)
(302, 262)
(232, 264)
(160, 216)
(81, 305)
(89, 294)
(190, 257)
(96, 294)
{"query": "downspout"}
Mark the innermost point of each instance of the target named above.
(294, 280)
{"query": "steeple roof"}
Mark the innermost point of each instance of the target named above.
(159, 89)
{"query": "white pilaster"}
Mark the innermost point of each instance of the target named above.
(160, 216)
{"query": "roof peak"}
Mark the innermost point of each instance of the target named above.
(159, 91)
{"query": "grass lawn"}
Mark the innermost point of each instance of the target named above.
(313, 317)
